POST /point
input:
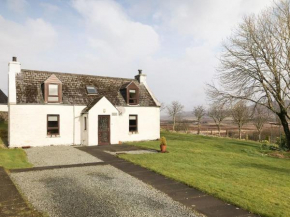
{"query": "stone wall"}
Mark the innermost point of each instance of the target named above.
(3, 116)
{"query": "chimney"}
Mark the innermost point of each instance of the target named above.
(141, 77)
(14, 68)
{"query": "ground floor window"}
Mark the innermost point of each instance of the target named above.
(85, 123)
(133, 123)
(52, 124)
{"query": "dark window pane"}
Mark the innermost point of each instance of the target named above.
(52, 131)
(132, 101)
(132, 129)
(52, 124)
(132, 122)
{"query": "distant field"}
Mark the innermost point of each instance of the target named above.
(235, 171)
(228, 129)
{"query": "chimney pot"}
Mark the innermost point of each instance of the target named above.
(14, 59)
(140, 71)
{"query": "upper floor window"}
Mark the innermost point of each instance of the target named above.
(131, 93)
(91, 90)
(53, 93)
(133, 97)
(53, 90)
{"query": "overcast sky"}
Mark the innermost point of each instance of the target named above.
(175, 42)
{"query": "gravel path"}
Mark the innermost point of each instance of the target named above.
(94, 191)
(58, 155)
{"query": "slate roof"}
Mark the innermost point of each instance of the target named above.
(29, 88)
(3, 98)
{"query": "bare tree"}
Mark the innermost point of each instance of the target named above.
(241, 115)
(162, 106)
(199, 112)
(174, 109)
(255, 64)
(260, 117)
(218, 113)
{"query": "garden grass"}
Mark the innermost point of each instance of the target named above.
(235, 171)
(13, 158)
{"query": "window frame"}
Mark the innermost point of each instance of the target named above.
(135, 131)
(53, 128)
(59, 95)
(136, 99)
(93, 87)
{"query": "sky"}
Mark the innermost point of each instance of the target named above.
(175, 42)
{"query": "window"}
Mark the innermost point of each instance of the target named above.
(91, 90)
(53, 93)
(133, 97)
(85, 123)
(53, 90)
(133, 123)
(52, 124)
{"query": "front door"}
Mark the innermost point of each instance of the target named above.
(104, 129)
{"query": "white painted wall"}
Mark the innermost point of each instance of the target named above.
(28, 125)
(3, 108)
(148, 123)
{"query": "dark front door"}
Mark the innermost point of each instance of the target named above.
(104, 129)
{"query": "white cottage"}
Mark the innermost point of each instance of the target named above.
(52, 108)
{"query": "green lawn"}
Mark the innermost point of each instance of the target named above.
(11, 158)
(235, 171)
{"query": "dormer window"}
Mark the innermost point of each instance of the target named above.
(130, 92)
(53, 90)
(133, 98)
(53, 93)
(91, 90)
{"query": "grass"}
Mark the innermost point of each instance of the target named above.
(11, 158)
(235, 171)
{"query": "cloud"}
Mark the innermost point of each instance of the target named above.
(207, 20)
(49, 8)
(112, 32)
(26, 40)
(17, 6)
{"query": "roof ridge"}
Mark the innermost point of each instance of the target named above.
(67, 73)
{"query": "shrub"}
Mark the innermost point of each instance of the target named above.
(282, 142)
(268, 146)
(163, 141)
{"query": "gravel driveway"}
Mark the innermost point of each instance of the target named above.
(94, 191)
(58, 155)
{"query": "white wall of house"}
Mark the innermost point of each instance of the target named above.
(148, 123)
(28, 125)
(3, 108)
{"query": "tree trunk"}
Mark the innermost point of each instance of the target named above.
(198, 128)
(173, 126)
(219, 130)
(285, 125)
(260, 132)
(240, 133)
